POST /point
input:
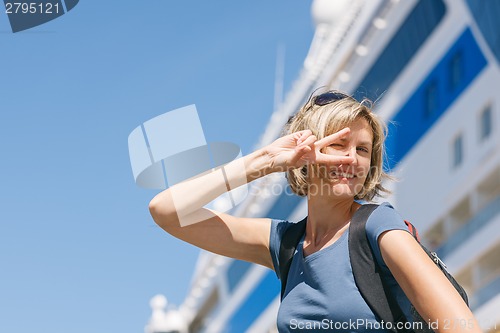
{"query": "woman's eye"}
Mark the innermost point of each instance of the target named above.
(363, 149)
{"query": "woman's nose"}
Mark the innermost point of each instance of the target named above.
(352, 152)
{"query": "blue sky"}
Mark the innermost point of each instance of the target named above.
(78, 249)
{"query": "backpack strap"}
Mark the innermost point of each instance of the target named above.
(367, 273)
(289, 242)
(413, 230)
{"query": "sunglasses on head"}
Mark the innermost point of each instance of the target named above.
(323, 99)
(329, 97)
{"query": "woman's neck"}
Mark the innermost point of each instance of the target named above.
(327, 217)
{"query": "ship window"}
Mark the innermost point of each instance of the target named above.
(431, 99)
(486, 123)
(457, 151)
(456, 70)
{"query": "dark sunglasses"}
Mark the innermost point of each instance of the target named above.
(323, 99)
(329, 97)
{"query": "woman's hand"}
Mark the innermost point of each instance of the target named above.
(296, 149)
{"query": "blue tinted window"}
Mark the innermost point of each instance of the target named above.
(457, 151)
(419, 24)
(456, 70)
(235, 272)
(486, 123)
(431, 99)
(487, 14)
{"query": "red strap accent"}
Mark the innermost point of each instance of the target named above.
(413, 230)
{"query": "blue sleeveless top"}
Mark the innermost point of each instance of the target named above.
(321, 295)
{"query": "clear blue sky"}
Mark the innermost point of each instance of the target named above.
(79, 252)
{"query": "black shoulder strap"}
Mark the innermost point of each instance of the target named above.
(289, 243)
(367, 274)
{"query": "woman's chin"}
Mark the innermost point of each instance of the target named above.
(343, 186)
(333, 190)
(335, 187)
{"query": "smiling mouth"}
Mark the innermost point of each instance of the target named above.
(346, 175)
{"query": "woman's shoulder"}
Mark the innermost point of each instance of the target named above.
(384, 217)
(386, 209)
(279, 228)
(281, 224)
(385, 206)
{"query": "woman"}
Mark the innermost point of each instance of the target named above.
(332, 153)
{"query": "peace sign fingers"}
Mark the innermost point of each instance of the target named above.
(332, 138)
(332, 159)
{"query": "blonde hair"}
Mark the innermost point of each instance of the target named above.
(329, 118)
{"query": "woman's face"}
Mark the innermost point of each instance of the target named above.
(347, 180)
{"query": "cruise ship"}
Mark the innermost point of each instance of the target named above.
(432, 67)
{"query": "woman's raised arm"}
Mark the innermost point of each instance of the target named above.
(179, 209)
